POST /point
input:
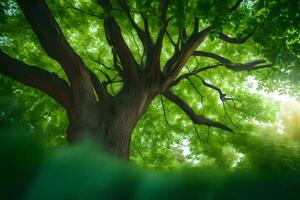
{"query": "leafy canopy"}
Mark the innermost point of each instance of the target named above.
(273, 28)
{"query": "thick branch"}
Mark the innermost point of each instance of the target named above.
(116, 39)
(161, 35)
(173, 68)
(153, 57)
(164, 7)
(56, 46)
(254, 65)
(197, 119)
(147, 30)
(38, 78)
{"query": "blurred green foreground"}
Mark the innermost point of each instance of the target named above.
(31, 171)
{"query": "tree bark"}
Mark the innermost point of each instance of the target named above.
(110, 124)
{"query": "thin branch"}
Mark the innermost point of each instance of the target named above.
(99, 87)
(195, 88)
(70, 6)
(222, 97)
(254, 65)
(227, 115)
(140, 32)
(192, 73)
(208, 134)
(221, 94)
(164, 110)
(232, 40)
(171, 40)
(102, 64)
(98, 61)
(131, 11)
(197, 119)
(138, 48)
(105, 74)
(197, 133)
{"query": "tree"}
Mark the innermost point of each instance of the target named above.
(170, 38)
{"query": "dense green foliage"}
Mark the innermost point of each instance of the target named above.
(158, 138)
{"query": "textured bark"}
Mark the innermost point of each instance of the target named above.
(110, 124)
(38, 78)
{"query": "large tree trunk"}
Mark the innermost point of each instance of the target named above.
(109, 123)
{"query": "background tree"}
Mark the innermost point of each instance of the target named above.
(139, 50)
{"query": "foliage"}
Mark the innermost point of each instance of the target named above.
(158, 138)
(82, 171)
(21, 154)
